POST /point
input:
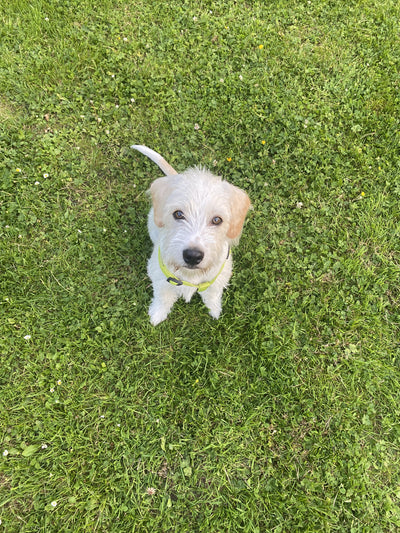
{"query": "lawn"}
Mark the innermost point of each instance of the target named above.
(281, 416)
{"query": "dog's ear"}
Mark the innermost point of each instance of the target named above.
(240, 204)
(159, 190)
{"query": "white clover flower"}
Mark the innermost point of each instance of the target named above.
(44, 446)
(196, 127)
(151, 491)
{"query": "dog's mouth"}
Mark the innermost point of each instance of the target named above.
(192, 269)
(184, 267)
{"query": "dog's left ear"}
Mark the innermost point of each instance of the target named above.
(159, 190)
(240, 204)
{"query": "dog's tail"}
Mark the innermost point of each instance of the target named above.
(157, 158)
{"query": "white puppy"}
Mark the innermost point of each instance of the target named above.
(195, 219)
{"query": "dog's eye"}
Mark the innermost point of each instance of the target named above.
(216, 221)
(178, 215)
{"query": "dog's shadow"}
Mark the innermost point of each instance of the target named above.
(133, 249)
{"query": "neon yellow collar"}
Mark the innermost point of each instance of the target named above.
(178, 282)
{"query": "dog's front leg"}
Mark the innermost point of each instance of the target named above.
(164, 298)
(212, 299)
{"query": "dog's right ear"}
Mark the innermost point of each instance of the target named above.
(240, 204)
(159, 190)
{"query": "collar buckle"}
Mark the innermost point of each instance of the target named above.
(175, 281)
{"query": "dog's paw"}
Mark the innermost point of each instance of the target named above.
(157, 318)
(215, 312)
(157, 315)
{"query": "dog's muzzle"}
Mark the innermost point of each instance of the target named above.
(192, 256)
(178, 282)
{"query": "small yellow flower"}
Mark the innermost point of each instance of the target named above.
(262, 142)
(260, 46)
(18, 170)
(363, 194)
(229, 159)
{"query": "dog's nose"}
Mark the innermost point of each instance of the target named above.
(192, 256)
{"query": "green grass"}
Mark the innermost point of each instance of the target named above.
(283, 415)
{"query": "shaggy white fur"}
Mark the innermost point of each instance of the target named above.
(196, 217)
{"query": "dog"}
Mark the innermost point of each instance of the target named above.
(195, 219)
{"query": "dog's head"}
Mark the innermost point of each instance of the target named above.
(199, 216)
